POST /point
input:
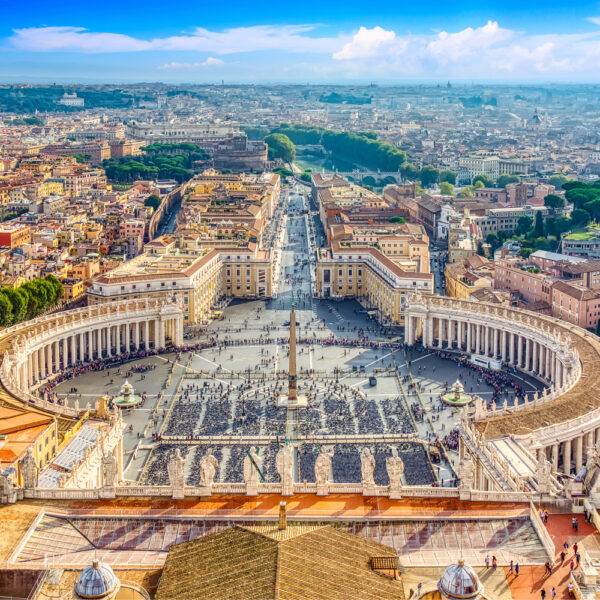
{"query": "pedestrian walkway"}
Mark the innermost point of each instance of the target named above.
(532, 579)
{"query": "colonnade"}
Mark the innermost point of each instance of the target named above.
(570, 455)
(85, 335)
(494, 340)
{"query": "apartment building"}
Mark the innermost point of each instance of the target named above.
(368, 275)
(181, 269)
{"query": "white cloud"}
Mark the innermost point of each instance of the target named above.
(488, 51)
(211, 61)
(290, 38)
(367, 43)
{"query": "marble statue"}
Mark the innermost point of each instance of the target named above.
(284, 463)
(395, 468)
(175, 470)
(543, 473)
(466, 474)
(323, 467)
(109, 470)
(252, 466)
(208, 469)
(367, 467)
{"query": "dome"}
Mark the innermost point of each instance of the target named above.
(96, 581)
(460, 582)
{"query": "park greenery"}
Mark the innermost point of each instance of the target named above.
(26, 121)
(362, 148)
(28, 300)
(539, 233)
(45, 99)
(161, 161)
(280, 146)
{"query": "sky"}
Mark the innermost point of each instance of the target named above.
(325, 41)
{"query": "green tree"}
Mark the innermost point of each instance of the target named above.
(409, 171)
(6, 310)
(558, 226)
(428, 175)
(280, 146)
(478, 185)
(466, 192)
(539, 224)
(524, 225)
(153, 200)
(397, 220)
(448, 175)
(18, 299)
(553, 201)
(593, 207)
(558, 181)
(447, 189)
(487, 182)
(504, 180)
(580, 217)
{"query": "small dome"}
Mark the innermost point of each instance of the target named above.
(461, 582)
(96, 581)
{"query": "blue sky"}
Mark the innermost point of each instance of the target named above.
(336, 41)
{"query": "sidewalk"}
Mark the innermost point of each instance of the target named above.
(532, 579)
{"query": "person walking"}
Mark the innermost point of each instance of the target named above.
(516, 569)
(487, 561)
(553, 593)
(511, 567)
(543, 593)
(494, 563)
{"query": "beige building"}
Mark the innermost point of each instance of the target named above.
(365, 273)
(180, 267)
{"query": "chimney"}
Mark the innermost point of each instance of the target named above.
(282, 515)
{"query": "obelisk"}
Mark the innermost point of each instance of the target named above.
(292, 391)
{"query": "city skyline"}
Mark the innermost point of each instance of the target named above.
(337, 43)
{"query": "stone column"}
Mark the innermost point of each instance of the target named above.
(459, 330)
(36, 369)
(547, 368)
(469, 326)
(567, 457)
(578, 454)
(56, 356)
(512, 348)
(29, 370)
(520, 350)
(161, 333)
(477, 338)
(73, 348)
(528, 354)
(127, 337)
(450, 333)
(147, 335)
(535, 356)
(49, 359)
(118, 338)
(137, 335)
(555, 457)
(82, 347)
(440, 334)
(90, 349)
(503, 349)
(486, 349)
(42, 361)
(495, 349)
